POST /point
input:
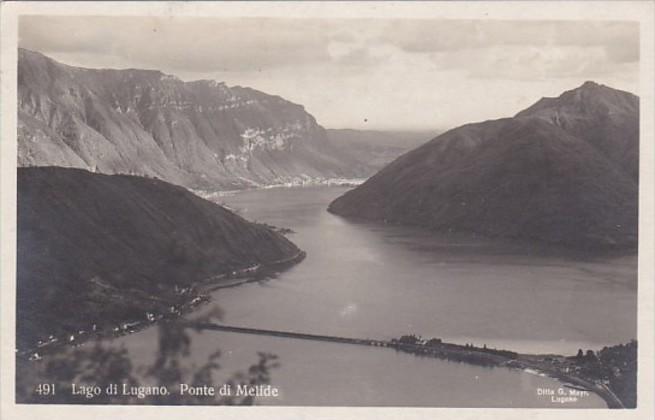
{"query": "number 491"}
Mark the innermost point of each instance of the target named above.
(45, 389)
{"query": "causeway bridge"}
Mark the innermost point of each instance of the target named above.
(475, 355)
(294, 335)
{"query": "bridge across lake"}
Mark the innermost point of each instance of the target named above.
(295, 335)
(449, 351)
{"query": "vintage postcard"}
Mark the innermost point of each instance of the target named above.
(327, 210)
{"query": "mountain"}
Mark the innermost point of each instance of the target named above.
(563, 171)
(201, 134)
(103, 249)
(606, 118)
(377, 147)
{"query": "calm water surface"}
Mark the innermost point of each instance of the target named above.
(366, 280)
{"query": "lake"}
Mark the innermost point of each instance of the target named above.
(376, 281)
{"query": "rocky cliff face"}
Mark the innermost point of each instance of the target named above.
(563, 171)
(104, 249)
(200, 134)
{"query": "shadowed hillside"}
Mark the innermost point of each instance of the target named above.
(100, 249)
(563, 171)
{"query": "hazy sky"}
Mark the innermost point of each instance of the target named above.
(374, 73)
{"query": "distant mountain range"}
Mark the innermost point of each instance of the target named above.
(563, 171)
(105, 249)
(377, 148)
(202, 134)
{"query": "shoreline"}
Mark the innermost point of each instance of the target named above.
(326, 182)
(536, 364)
(249, 274)
(241, 276)
(573, 382)
(469, 354)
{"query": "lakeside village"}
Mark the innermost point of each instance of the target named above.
(611, 372)
(76, 339)
(189, 297)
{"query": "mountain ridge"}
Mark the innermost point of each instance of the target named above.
(552, 173)
(201, 134)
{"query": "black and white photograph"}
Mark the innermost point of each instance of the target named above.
(329, 210)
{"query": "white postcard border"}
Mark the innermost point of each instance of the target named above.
(640, 11)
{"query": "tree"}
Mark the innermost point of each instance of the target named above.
(433, 342)
(408, 339)
(104, 365)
